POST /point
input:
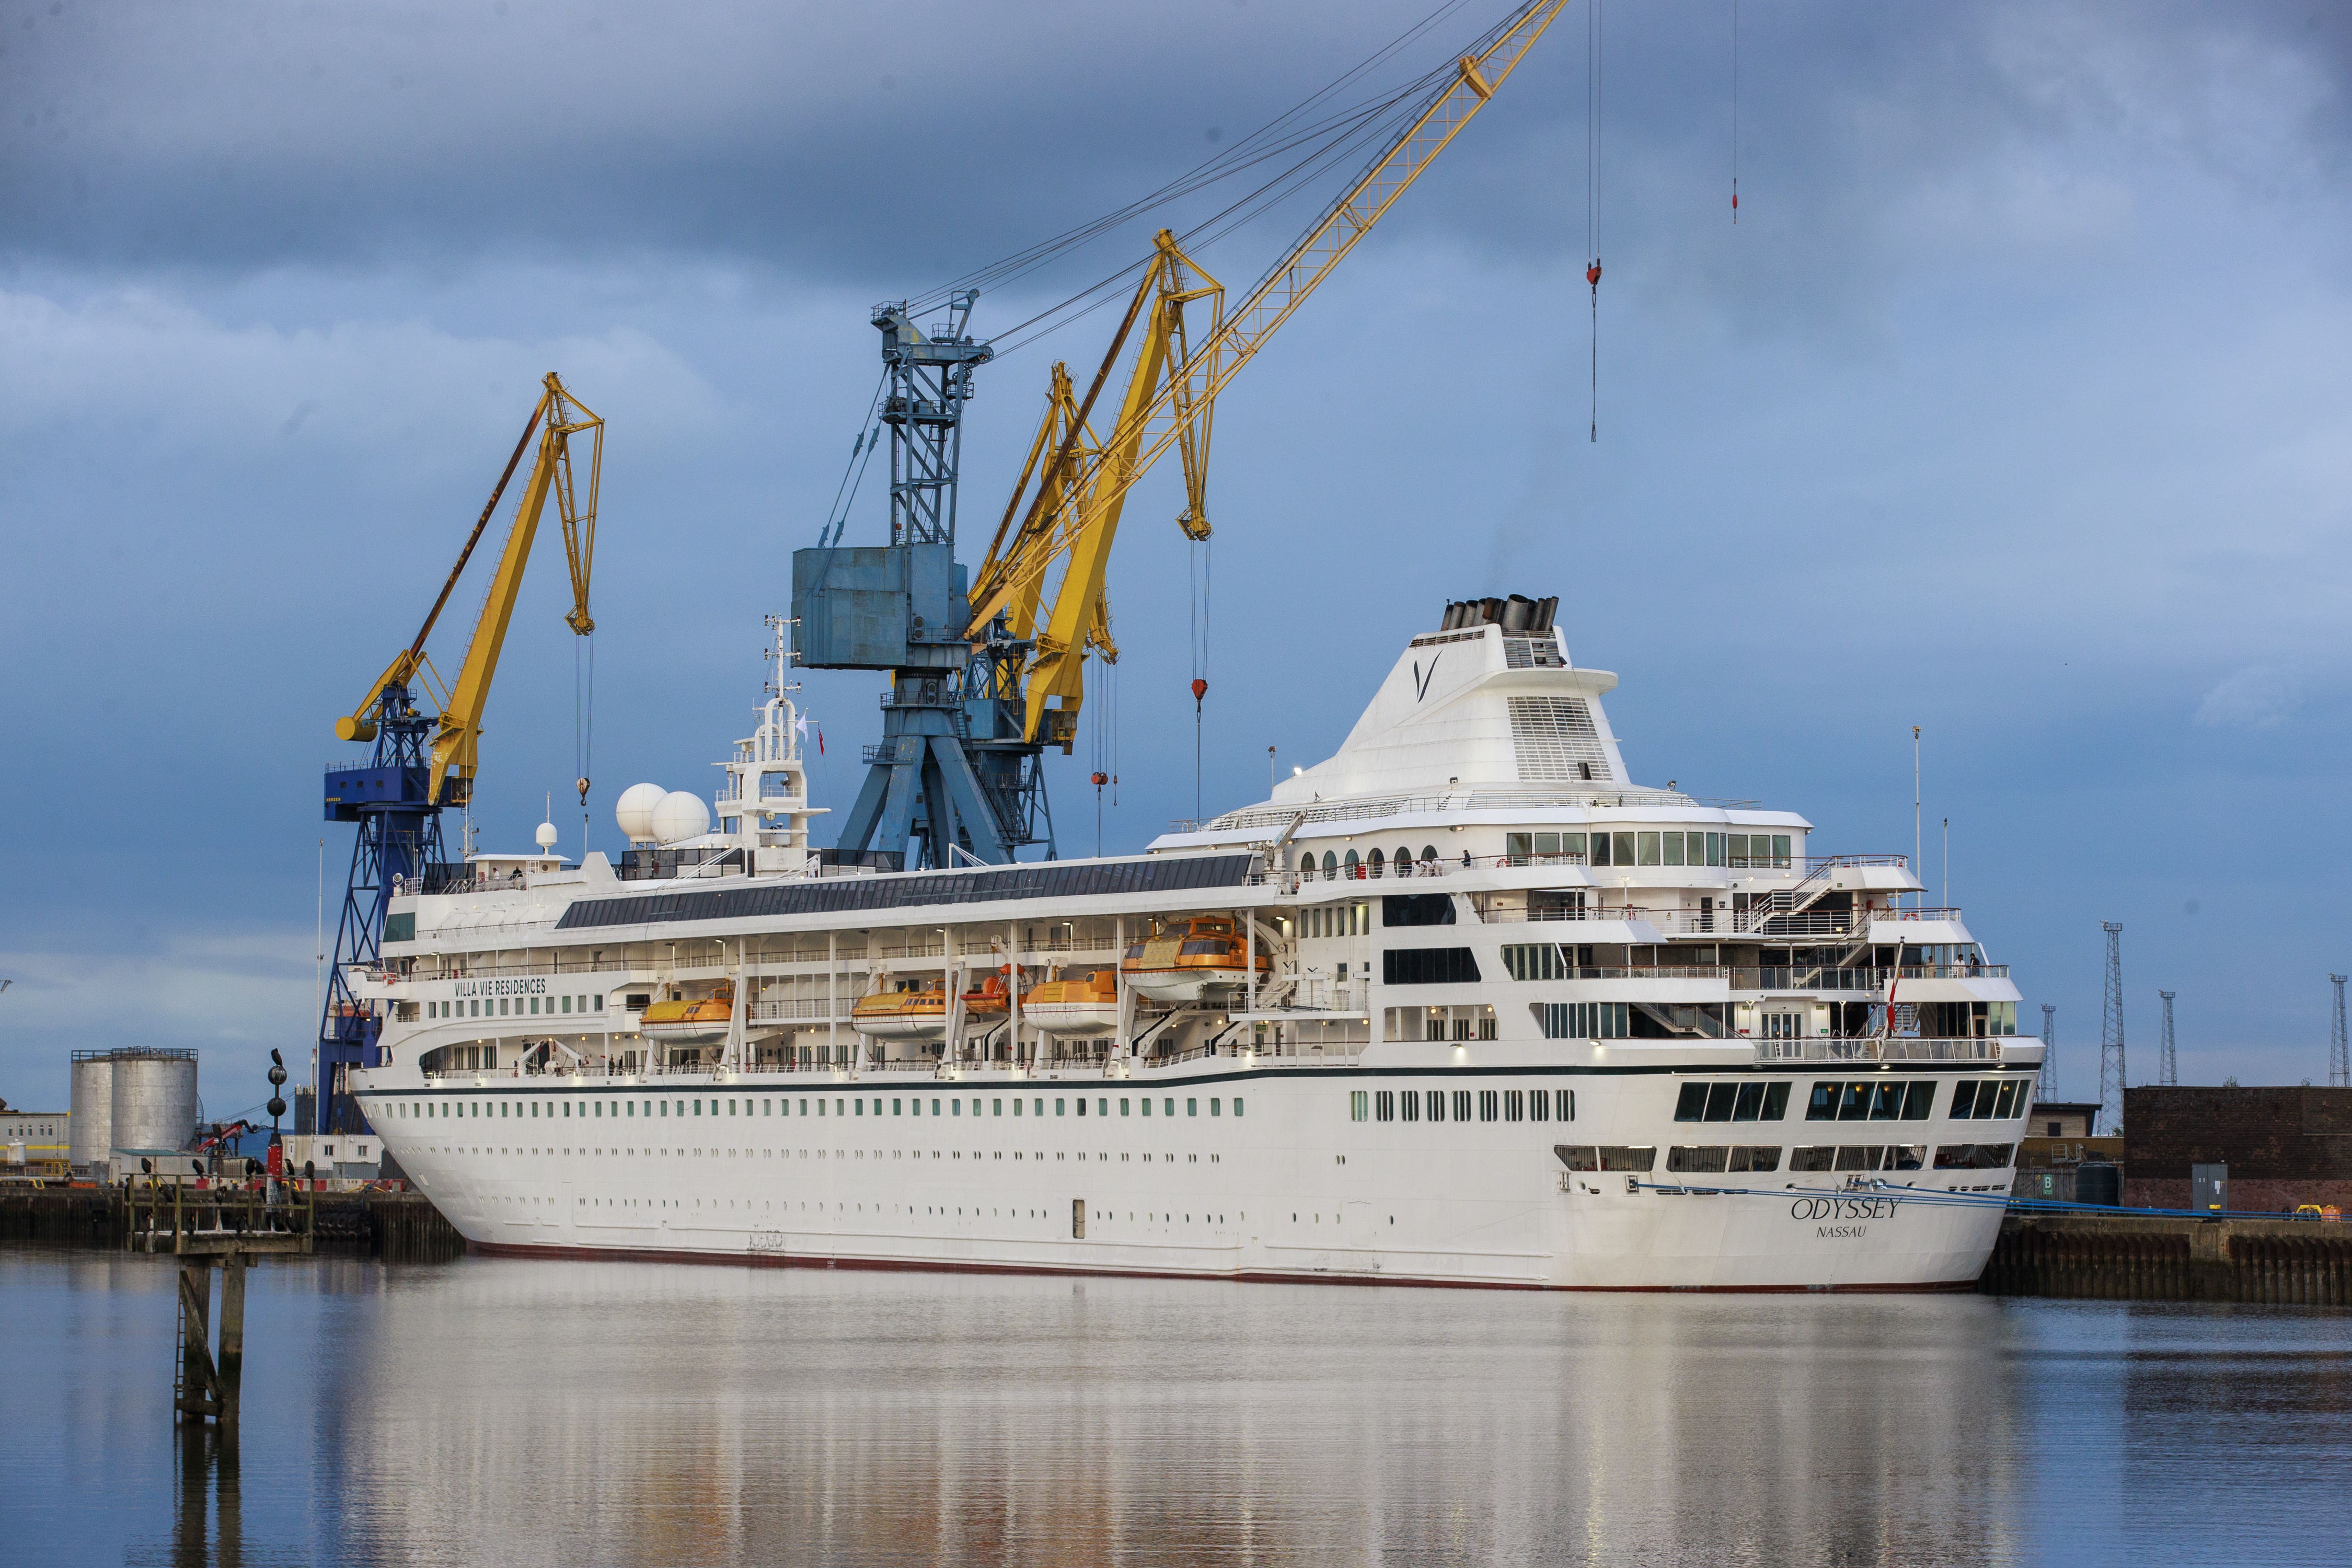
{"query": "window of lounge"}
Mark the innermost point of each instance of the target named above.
(1584, 1020)
(1750, 1101)
(1872, 1100)
(1543, 849)
(1994, 1100)
(1852, 1157)
(1756, 850)
(1975, 1156)
(1606, 1157)
(1429, 966)
(1536, 961)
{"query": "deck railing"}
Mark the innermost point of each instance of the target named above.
(1772, 1053)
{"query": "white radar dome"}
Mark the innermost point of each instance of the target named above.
(547, 835)
(680, 816)
(634, 811)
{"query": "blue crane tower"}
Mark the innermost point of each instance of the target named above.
(952, 778)
(398, 846)
(425, 764)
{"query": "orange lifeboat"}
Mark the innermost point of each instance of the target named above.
(1083, 1007)
(918, 1010)
(909, 1012)
(685, 1022)
(1186, 961)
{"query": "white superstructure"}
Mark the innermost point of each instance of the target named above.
(1475, 1009)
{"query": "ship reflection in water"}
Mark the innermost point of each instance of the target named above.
(522, 1412)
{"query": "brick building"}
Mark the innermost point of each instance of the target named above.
(2284, 1146)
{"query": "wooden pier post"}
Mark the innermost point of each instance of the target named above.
(196, 1395)
(232, 1335)
(224, 1231)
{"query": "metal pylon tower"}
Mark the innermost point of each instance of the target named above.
(2113, 1078)
(398, 846)
(2168, 1071)
(2339, 1056)
(2047, 1088)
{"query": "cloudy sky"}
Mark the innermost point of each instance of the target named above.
(2014, 407)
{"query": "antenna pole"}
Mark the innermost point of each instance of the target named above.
(2168, 1071)
(2047, 1088)
(2113, 1077)
(2339, 1057)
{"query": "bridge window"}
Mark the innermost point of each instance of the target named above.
(1584, 1020)
(1429, 966)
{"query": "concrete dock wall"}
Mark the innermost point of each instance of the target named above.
(397, 1226)
(2135, 1257)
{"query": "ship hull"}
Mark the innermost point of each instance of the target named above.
(1293, 1189)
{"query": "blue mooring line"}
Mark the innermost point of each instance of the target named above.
(1937, 1196)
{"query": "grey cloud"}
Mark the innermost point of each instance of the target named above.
(903, 142)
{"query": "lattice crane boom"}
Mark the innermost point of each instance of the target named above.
(458, 728)
(1179, 410)
(1078, 620)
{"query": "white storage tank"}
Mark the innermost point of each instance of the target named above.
(154, 1099)
(89, 1137)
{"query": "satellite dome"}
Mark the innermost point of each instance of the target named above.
(634, 811)
(680, 816)
(547, 835)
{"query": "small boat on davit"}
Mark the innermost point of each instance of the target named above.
(1184, 961)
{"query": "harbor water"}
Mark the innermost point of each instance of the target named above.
(515, 1412)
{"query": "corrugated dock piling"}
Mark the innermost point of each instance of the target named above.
(2127, 1257)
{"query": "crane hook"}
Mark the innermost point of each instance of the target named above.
(1592, 276)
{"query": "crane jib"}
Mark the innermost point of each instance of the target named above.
(1079, 493)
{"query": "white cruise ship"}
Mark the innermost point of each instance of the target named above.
(1460, 1005)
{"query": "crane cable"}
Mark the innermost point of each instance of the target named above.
(1593, 192)
(1277, 135)
(1196, 582)
(584, 722)
(1102, 717)
(1735, 112)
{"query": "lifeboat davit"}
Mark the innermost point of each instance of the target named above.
(919, 1012)
(1082, 1008)
(1186, 961)
(688, 1022)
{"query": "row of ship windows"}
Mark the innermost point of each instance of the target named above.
(473, 1008)
(901, 1105)
(1708, 1159)
(1872, 1100)
(1877, 1101)
(1747, 1102)
(1641, 848)
(1492, 1105)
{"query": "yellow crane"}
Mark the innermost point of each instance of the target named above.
(457, 729)
(1079, 620)
(1072, 516)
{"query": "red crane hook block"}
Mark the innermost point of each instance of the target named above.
(1200, 689)
(1592, 273)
